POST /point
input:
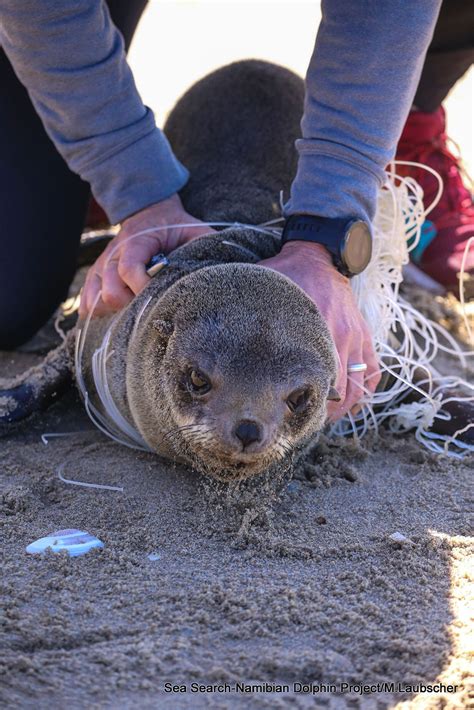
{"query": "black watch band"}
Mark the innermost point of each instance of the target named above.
(349, 241)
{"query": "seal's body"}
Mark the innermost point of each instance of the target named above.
(219, 362)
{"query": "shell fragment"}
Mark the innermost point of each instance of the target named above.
(75, 542)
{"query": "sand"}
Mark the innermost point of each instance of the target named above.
(306, 587)
(250, 585)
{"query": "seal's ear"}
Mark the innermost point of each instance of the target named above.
(164, 327)
(333, 395)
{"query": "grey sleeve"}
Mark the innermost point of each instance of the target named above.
(360, 86)
(71, 59)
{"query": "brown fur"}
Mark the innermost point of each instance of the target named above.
(235, 131)
(214, 309)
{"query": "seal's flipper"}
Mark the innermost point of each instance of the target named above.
(42, 385)
(38, 387)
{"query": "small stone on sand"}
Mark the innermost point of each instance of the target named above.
(400, 538)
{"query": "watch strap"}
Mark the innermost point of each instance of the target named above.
(327, 231)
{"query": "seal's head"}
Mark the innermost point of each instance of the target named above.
(232, 371)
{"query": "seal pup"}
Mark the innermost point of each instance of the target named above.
(235, 130)
(221, 363)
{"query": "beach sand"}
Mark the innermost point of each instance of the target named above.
(250, 586)
(306, 586)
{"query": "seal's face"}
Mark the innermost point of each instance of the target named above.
(232, 371)
(237, 415)
(246, 372)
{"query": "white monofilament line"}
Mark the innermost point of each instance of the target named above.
(405, 340)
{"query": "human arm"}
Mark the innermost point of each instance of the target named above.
(70, 57)
(359, 88)
(360, 85)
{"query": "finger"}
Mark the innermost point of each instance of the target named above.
(93, 282)
(355, 390)
(132, 258)
(373, 374)
(371, 381)
(362, 383)
(132, 266)
(178, 236)
(334, 408)
(89, 292)
(341, 379)
(115, 293)
(354, 387)
(102, 309)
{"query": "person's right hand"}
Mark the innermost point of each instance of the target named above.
(310, 267)
(120, 271)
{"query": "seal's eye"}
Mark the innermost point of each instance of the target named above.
(199, 382)
(298, 400)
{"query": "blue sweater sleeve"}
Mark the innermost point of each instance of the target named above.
(71, 59)
(360, 84)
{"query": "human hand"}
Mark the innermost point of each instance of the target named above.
(120, 271)
(310, 267)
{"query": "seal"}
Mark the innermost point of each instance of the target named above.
(221, 363)
(218, 362)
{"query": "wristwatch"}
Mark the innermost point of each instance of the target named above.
(349, 241)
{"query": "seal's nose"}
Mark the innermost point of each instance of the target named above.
(248, 432)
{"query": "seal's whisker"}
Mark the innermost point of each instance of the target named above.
(177, 430)
(195, 435)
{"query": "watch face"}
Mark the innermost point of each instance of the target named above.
(357, 247)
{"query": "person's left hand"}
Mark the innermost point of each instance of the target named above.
(310, 267)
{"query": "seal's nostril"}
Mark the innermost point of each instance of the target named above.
(248, 432)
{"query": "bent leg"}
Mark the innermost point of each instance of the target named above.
(42, 206)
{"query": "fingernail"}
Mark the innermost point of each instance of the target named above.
(333, 395)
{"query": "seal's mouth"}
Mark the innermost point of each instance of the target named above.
(214, 459)
(225, 467)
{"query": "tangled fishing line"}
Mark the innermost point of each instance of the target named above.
(406, 342)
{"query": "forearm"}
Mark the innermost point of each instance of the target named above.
(71, 59)
(359, 88)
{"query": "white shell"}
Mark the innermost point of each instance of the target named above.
(75, 542)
